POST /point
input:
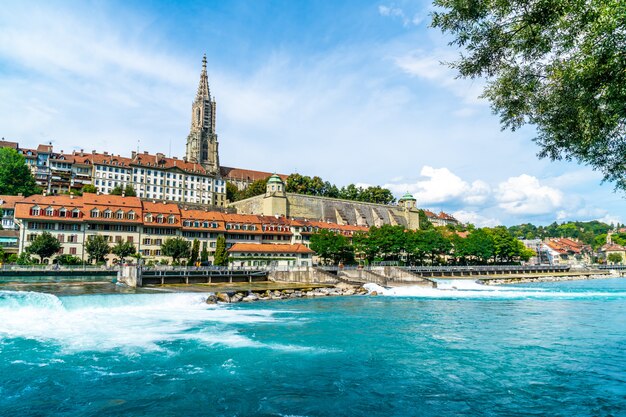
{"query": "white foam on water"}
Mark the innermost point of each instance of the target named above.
(130, 322)
(472, 289)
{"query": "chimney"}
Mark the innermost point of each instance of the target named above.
(145, 152)
(133, 154)
(123, 193)
(81, 153)
(20, 195)
(94, 151)
(106, 153)
(184, 159)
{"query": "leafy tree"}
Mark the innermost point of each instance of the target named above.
(258, 187)
(220, 257)
(195, 252)
(89, 188)
(24, 259)
(2, 254)
(66, 259)
(424, 223)
(332, 247)
(44, 245)
(117, 190)
(97, 247)
(480, 245)
(302, 184)
(557, 64)
(615, 258)
(123, 250)
(434, 244)
(232, 192)
(204, 256)
(176, 248)
(15, 177)
(129, 191)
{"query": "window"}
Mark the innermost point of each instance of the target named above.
(131, 215)
(75, 213)
(35, 211)
(148, 218)
(95, 213)
(129, 239)
(119, 215)
(63, 212)
(107, 214)
(160, 218)
(171, 220)
(72, 251)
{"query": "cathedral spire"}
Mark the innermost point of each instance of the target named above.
(202, 146)
(203, 86)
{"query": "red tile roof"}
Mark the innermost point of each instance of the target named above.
(44, 148)
(247, 174)
(8, 201)
(7, 144)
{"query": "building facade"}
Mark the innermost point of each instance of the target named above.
(202, 146)
(277, 202)
(74, 220)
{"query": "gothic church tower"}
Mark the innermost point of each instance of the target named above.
(202, 140)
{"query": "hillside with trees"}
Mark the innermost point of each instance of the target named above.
(433, 246)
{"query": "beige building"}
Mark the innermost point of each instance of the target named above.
(277, 202)
(247, 254)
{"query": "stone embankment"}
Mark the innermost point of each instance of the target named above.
(549, 278)
(340, 289)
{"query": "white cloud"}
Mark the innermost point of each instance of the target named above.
(443, 186)
(396, 12)
(476, 218)
(430, 67)
(611, 219)
(525, 195)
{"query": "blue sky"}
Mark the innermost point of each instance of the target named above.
(351, 91)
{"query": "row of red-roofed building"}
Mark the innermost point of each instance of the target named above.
(573, 252)
(73, 220)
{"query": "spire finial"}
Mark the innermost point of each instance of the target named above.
(204, 62)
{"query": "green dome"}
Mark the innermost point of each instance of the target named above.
(274, 179)
(407, 196)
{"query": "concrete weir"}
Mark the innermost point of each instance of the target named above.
(136, 276)
(389, 276)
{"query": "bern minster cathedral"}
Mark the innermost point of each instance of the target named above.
(202, 146)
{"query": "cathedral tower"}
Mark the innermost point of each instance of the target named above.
(202, 140)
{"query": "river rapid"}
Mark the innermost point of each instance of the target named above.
(550, 349)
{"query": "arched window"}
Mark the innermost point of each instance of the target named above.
(95, 213)
(49, 211)
(119, 215)
(107, 214)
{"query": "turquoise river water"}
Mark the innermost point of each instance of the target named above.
(552, 349)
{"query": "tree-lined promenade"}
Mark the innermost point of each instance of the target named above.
(431, 246)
